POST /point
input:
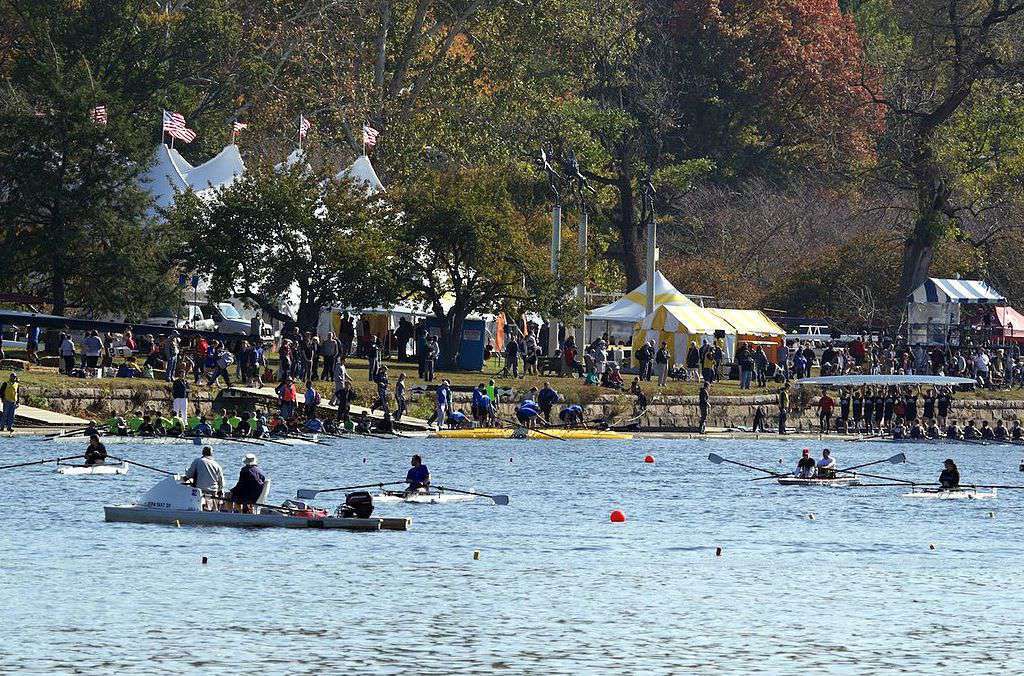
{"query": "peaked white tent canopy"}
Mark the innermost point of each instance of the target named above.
(631, 307)
(170, 173)
(362, 171)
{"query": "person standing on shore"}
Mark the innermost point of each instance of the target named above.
(10, 393)
(67, 353)
(400, 404)
(329, 350)
(704, 406)
(783, 399)
(373, 354)
(661, 361)
(179, 394)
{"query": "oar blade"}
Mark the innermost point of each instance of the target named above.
(500, 499)
(898, 459)
(306, 494)
(715, 458)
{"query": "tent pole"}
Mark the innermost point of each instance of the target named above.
(581, 289)
(652, 256)
(556, 248)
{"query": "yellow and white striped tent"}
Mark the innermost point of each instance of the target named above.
(679, 323)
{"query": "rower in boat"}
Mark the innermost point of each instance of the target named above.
(917, 430)
(986, 431)
(90, 429)
(1001, 432)
(970, 431)
(244, 426)
(933, 431)
(949, 478)
(315, 425)
(805, 467)
(826, 468)
(146, 429)
(899, 430)
(120, 427)
(571, 416)
(953, 431)
(418, 476)
(176, 428)
(205, 473)
(225, 430)
(1017, 432)
(251, 480)
(260, 429)
(95, 452)
(203, 429)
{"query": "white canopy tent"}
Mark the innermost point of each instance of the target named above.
(677, 324)
(618, 318)
(170, 174)
(933, 309)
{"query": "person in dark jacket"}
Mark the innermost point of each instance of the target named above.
(251, 481)
(704, 404)
(546, 398)
(950, 475)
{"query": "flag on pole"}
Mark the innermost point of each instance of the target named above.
(370, 135)
(304, 126)
(239, 126)
(174, 124)
(98, 115)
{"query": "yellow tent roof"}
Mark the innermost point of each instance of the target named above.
(749, 322)
(685, 318)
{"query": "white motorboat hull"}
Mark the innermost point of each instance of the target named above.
(833, 483)
(431, 498)
(82, 470)
(954, 494)
(184, 517)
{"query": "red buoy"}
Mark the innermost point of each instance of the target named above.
(649, 458)
(618, 516)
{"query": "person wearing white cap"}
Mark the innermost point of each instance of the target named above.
(251, 480)
(205, 473)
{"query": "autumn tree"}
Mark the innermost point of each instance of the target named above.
(291, 242)
(952, 71)
(476, 241)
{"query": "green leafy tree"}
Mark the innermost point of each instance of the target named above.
(274, 236)
(477, 241)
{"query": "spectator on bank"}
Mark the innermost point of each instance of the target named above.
(67, 352)
(661, 359)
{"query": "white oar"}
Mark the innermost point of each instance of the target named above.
(499, 499)
(310, 493)
(718, 460)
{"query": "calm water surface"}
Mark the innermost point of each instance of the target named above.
(558, 589)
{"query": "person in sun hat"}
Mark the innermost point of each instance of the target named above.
(251, 481)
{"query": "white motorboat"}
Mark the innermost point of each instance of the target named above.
(173, 503)
(962, 493)
(833, 482)
(98, 469)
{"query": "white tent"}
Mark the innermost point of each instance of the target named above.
(617, 318)
(933, 308)
(361, 171)
(170, 173)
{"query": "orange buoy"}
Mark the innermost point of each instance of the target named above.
(648, 458)
(618, 516)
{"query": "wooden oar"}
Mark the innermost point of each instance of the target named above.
(66, 433)
(894, 460)
(139, 464)
(41, 462)
(499, 499)
(718, 460)
(310, 493)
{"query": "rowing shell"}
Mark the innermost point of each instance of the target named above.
(951, 493)
(834, 482)
(430, 498)
(81, 470)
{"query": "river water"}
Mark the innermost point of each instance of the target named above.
(557, 588)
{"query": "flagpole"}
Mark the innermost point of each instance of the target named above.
(300, 132)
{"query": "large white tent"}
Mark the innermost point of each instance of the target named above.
(170, 173)
(618, 318)
(933, 308)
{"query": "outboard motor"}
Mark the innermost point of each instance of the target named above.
(357, 505)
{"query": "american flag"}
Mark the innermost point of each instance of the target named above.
(98, 114)
(304, 126)
(370, 135)
(239, 126)
(174, 124)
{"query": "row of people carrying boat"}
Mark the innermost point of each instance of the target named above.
(874, 409)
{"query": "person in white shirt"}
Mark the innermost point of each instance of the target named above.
(827, 465)
(205, 473)
(67, 352)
